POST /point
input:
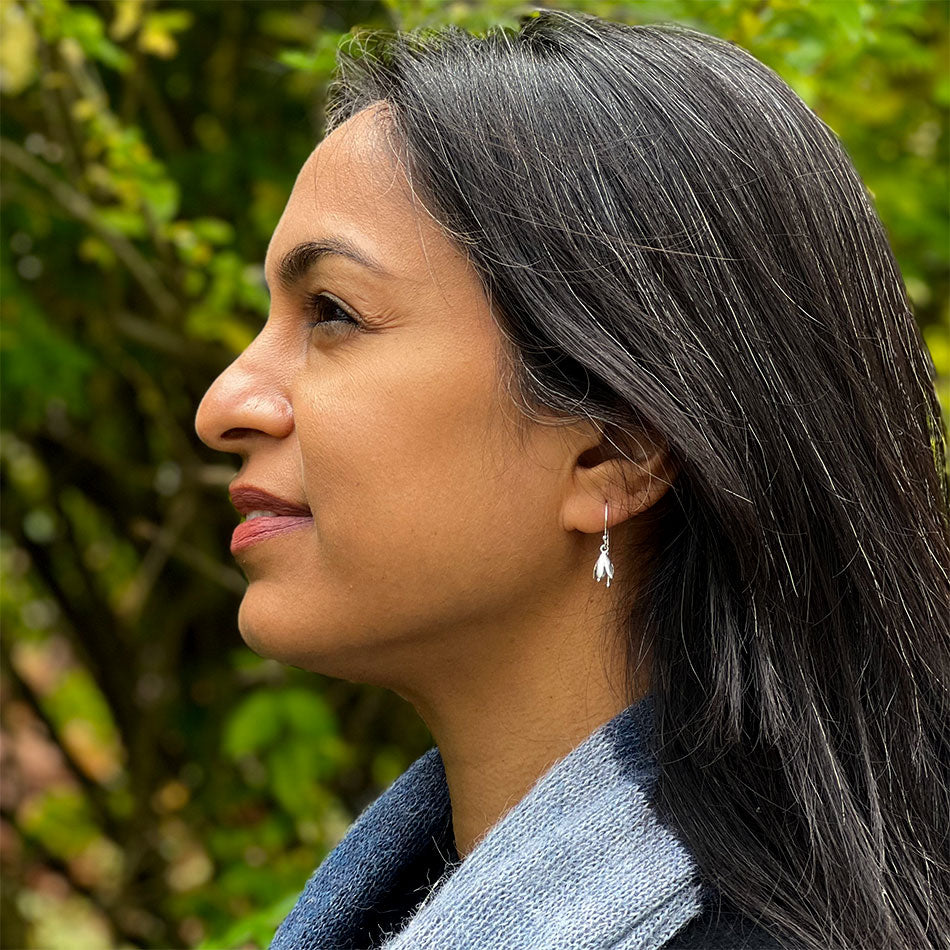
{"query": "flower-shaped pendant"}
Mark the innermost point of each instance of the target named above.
(604, 567)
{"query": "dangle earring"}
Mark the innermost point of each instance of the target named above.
(604, 566)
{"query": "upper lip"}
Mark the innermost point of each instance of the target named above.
(248, 498)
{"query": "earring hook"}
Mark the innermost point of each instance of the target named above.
(604, 566)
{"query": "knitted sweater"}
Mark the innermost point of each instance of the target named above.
(582, 861)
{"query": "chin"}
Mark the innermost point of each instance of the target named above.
(334, 649)
(263, 634)
(251, 638)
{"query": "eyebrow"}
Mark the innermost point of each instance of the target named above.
(298, 261)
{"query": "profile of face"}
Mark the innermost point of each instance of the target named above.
(442, 537)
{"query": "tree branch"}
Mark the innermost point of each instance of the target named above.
(80, 207)
(112, 672)
(225, 577)
(24, 692)
(58, 864)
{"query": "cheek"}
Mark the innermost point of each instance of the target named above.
(416, 484)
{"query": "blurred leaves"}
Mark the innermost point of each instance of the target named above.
(296, 734)
(33, 348)
(18, 63)
(162, 785)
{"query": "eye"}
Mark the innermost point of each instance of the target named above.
(323, 309)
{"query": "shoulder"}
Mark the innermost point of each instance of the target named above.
(720, 927)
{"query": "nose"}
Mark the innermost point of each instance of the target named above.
(247, 402)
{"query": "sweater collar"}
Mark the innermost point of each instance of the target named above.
(583, 860)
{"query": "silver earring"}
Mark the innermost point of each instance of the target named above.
(604, 566)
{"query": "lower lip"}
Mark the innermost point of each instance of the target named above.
(257, 529)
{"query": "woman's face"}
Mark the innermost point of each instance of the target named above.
(436, 531)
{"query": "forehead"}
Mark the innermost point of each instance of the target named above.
(352, 186)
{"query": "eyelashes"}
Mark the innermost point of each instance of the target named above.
(323, 309)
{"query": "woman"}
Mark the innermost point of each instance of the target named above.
(591, 417)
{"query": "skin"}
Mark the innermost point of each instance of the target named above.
(450, 558)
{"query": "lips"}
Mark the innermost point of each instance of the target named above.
(248, 498)
(282, 516)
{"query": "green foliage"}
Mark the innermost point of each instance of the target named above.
(298, 735)
(256, 929)
(147, 151)
(319, 60)
(82, 28)
(476, 17)
(32, 347)
(60, 819)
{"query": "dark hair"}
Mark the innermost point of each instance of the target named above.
(674, 243)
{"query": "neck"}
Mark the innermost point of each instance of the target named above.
(502, 724)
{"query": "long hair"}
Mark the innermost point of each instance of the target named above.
(674, 243)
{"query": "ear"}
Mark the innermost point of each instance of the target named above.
(630, 472)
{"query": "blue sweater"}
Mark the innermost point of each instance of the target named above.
(582, 861)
